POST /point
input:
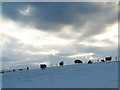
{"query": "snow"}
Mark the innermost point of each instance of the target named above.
(0, 81)
(96, 75)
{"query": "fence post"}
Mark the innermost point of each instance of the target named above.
(116, 58)
(51, 65)
(97, 60)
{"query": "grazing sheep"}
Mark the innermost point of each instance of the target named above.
(43, 66)
(89, 62)
(2, 72)
(20, 69)
(61, 63)
(14, 70)
(77, 61)
(102, 60)
(27, 68)
(108, 58)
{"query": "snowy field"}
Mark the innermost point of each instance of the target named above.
(0, 81)
(96, 75)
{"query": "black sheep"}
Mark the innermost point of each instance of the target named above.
(14, 70)
(27, 68)
(102, 60)
(43, 66)
(61, 63)
(108, 58)
(78, 61)
(89, 62)
(20, 69)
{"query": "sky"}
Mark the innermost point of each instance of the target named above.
(49, 32)
(0, 37)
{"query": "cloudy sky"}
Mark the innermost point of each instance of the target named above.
(48, 32)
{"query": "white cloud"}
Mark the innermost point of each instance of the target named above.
(25, 11)
(111, 34)
(95, 44)
(79, 55)
(104, 39)
(49, 52)
(31, 36)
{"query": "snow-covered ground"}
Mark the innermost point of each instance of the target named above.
(0, 81)
(96, 75)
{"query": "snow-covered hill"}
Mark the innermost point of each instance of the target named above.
(96, 75)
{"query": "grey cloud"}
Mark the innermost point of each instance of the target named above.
(99, 51)
(53, 16)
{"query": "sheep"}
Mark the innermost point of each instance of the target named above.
(43, 66)
(61, 63)
(102, 60)
(27, 68)
(108, 58)
(89, 62)
(77, 61)
(20, 69)
(14, 70)
(2, 72)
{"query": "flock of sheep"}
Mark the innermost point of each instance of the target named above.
(43, 66)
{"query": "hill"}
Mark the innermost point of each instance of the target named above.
(96, 75)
